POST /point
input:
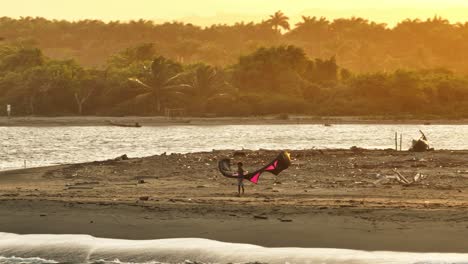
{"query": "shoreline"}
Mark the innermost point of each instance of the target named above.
(424, 231)
(326, 199)
(267, 120)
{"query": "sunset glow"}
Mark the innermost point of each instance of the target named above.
(206, 12)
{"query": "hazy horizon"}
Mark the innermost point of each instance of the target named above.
(208, 12)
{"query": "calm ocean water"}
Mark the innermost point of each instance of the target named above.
(87, 249)
(40, 146)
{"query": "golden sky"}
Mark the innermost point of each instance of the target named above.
(205, 12)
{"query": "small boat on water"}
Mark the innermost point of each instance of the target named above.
(125, 125)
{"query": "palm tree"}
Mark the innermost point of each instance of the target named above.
(163, 83)
(308, 21)
(208, 84)
(314, 31)
(305, 21)
(279, 20)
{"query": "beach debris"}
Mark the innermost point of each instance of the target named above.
(239, 154)
(144, 198)
(136, 124)
(357, 149)
(82, 183)
(420, 145)
(260, 217)
(141, 181)
(399, 178)
(80, 188)
(146, 178)
(123, 157)
(10, 194)
(285, 220)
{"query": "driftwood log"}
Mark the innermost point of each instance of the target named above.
(399, 178)
(420, 145)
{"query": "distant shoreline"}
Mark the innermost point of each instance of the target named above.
(264, 120)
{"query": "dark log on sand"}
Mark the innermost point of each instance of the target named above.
(125, 125)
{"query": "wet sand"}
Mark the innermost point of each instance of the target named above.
(327, 198)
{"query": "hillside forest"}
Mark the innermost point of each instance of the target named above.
(347, 66)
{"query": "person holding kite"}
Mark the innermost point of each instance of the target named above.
(280, 163)
(240, 178)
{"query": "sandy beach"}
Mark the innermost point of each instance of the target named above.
(327, 198)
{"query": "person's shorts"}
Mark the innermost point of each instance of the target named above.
(239, 183)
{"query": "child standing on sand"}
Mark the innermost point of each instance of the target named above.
(240, 178)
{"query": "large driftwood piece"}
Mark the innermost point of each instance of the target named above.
(420, 145)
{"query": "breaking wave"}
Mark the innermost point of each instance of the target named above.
(45, 249)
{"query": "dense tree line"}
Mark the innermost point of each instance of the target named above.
(270, 80)
(357, 44)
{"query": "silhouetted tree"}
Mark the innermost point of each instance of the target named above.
(279, 20)
(162, 82)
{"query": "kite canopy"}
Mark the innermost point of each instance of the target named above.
(280, 163)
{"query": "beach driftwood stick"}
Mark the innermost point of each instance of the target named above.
(401, 178)
(422, 135)
(79, 188)
(396, 141)
(401, 140)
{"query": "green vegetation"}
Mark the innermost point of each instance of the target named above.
(359, 68)
(357, 44)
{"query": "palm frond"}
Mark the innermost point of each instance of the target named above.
(175, 78)
(136, 80)
(177, 87)
(220, 95)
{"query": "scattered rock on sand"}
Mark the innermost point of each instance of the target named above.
(260, 217)
(123, 157)
(239, 154)
(144, 198)
(357, 149)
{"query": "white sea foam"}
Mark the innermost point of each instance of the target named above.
(88, 249)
